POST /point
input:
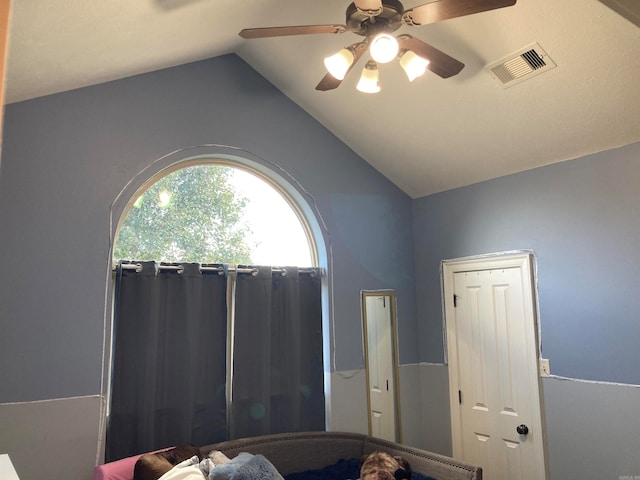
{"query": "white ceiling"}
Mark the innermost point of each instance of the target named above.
(427, 136)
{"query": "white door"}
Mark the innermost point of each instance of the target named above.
(493, 366)
(380, 354)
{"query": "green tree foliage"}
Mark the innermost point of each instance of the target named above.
(191, 215)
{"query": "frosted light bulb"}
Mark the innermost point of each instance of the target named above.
(384, 48)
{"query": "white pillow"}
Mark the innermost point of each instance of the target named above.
(187, 470)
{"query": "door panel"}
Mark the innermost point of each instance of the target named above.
(493, 365)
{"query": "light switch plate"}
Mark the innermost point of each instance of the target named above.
(545, 369)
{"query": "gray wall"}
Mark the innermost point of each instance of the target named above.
(65, 159)
(582, 220)
(592, 430)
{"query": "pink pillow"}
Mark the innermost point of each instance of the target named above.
(120, 469)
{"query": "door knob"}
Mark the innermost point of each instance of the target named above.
(522, 429)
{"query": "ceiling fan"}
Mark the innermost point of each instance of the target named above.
(376, 20)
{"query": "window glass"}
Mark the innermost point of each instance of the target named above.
(276, 233)
(213, 213)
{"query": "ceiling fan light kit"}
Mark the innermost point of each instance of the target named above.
(370, 78)
(376, 20)
(413, 65)
(339, 63)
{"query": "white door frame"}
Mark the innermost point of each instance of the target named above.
(519, 259)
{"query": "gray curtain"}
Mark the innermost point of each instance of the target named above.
(169, 360)
(169, 363)
(278, 381)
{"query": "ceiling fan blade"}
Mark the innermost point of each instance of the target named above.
(292, 30)
(369, 6)
(440, 63)
(329, 82)
(446, 9)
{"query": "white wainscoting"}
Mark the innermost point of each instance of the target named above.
(52, 439)
(424, 404)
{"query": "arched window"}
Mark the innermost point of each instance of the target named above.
(214, 213)
(217, 313)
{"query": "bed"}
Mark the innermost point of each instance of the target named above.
(295, 453)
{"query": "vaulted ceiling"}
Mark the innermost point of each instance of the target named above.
(430, 135)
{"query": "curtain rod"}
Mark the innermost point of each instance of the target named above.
(205, 268)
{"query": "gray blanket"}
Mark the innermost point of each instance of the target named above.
(257, 468)
(245, 467)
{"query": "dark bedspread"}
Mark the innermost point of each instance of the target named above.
(343, 470)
